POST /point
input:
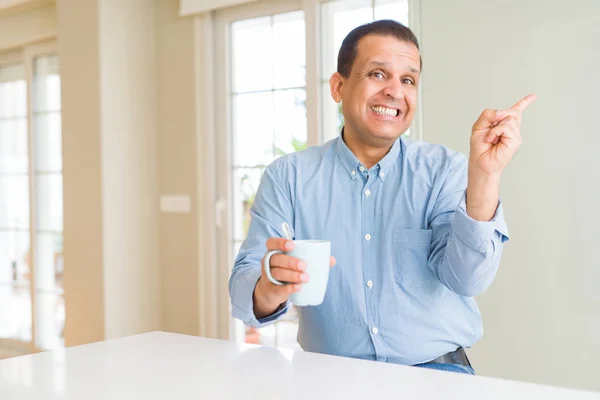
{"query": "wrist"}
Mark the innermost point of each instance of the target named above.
(482, 177)
(262, 305)
(483, 192)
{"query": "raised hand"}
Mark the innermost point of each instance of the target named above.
(496, 137)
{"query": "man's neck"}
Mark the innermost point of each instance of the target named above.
(366, 154)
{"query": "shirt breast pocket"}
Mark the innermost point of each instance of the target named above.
(412, 248)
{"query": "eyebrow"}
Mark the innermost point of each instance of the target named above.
(386, 65)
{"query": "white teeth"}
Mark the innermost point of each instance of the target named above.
(385, 111)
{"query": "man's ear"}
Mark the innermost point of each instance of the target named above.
(335, 86)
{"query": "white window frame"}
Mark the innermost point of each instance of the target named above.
(214, 140)
(26, 56)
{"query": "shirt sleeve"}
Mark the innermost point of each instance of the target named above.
(271, 207)
(465, 253)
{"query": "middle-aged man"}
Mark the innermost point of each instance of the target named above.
(417, 229)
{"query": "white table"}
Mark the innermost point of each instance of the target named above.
(161, 365)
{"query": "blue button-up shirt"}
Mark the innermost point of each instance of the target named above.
(409, 258)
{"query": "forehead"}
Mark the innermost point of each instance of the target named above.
(388, 49)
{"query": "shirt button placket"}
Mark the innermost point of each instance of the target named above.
(368, 226)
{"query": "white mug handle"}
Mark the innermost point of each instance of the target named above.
(267, 266)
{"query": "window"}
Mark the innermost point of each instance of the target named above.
(48, 228)
(270, 79)
(15, 273)
(31, 210)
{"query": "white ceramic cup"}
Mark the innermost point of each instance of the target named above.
(316, 254)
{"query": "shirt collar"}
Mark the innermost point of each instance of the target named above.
(351, 163)
(347, 157)
(387, 162)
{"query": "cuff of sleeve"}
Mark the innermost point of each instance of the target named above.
(243, 307)
(476, 234)
(283, 308)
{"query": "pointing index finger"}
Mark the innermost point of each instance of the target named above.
(524, 102)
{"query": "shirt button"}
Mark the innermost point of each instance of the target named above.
(367, 192)
(370, 284)
(374, 330)
(353, 172)
(368, 237)
(381, 174)
(362, 169)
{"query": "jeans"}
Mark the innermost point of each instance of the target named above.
(449, 367)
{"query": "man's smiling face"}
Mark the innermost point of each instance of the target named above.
(379, 96)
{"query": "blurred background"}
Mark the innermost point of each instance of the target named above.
(134, 133)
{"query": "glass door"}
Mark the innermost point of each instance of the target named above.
(32, 309)
(15, 265)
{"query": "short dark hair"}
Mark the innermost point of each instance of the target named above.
(384, 27)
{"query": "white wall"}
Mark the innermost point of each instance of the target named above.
(177, 163)
(129, 133)
(542, 313)
(109, 97)
(78, 40)
(128, 92)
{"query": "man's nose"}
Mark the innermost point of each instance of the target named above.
(394, 89)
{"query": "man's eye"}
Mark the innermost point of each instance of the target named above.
(377, 75)
(408, 81)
